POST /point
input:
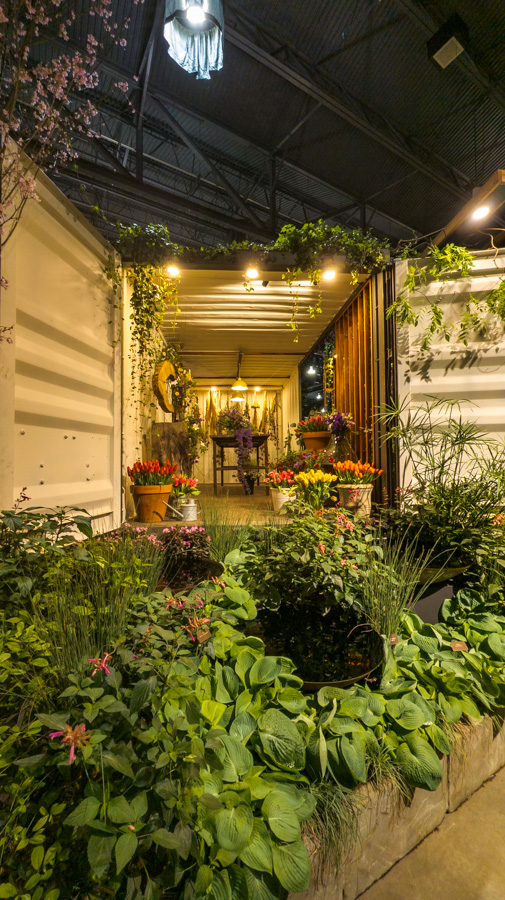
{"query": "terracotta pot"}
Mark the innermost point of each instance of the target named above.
(357, 498)
(150, 501)
(316, 440)
(279, 498)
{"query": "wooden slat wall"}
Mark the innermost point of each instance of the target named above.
(353, 370)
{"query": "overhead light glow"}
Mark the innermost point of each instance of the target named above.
(252, 273)
(329, 274)
(195, 14)
(214, 390)
(319, 397)
(481, 212)
(257, 389)
(173, 271)
(311, 371)
(238, 399)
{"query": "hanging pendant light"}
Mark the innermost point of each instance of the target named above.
(194, 34)
(239, 386)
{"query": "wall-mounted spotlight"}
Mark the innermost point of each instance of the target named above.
(252, 274)
(329, 274)
(173, 271)
(481, 212)
(311, 370)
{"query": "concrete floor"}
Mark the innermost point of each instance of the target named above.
(463, 859)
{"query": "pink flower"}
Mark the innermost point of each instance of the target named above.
(72, 737)
(101, 664)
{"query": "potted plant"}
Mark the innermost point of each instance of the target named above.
(232, 421)
(185, 490)
(355, 485)
(316, 432)
(314, 487)
(151, 487)
(280, 483)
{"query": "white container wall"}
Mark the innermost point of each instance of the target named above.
(473, 375)
(61, 379)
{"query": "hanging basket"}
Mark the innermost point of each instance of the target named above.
(316, 440)
(150, 501)
(357, 498)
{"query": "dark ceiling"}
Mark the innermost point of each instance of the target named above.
(324, 108)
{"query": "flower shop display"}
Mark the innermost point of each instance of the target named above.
(233, 421)
(355, 485)
(314, 487)
(315, 433)
(280, 483)
(152, 483)
(300, 460)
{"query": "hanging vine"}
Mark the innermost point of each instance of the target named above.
(442, 265)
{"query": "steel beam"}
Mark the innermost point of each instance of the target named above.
(368, 121)
(180, 132)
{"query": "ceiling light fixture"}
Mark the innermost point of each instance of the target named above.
(481, 212)
(329, 274)
(194, 33)
(195, 14)
(449, 41)
(173, 271)
(252, 274)
(239, 386)
(311, 370)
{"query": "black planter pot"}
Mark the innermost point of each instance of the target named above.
(250, 482)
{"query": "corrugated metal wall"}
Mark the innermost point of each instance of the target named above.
(63, 373)
(475, 376)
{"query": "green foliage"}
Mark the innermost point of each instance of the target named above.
(31, 540)
(444, 264)
(225, 526)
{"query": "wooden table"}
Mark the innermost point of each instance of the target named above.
(221, 442)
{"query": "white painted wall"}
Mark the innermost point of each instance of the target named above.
(475, 376)
(60, 382)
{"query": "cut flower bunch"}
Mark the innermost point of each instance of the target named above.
(313, 487)
(152, 472)
(185, 486)
(350, 472)
(280, 480)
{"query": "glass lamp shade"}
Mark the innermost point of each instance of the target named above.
(195, 42)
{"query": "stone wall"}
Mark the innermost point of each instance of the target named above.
(390, 827)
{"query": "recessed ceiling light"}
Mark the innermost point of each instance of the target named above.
(481, 212)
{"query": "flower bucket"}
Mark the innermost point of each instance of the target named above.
(150, 501)
(279, 498)
(188, 509)
(357, 498)
(316, 440)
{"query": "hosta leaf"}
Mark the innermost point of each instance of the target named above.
(281, 740)
(261, 887)
(281, 816)
(451, 708)
(220, 888)
(428, 644)
(258, 851)
(345, 725)
(125, 849)
(353, 752)
(203, 880)
(292, 866)
(212, 711)
(234, 827)
(245, 660)
(235, 758)
(405, 713)
(292, 700)
(243, 726)
(419, 763)
(469, 707)
(439, 738)
(264, 671)
(328, 694)
(353, 706)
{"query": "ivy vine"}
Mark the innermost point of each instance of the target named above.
(442, 264)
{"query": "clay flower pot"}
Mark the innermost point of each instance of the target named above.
(357, 498)
(316, 440)
(150, 501)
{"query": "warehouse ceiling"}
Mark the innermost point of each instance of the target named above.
(322, 109)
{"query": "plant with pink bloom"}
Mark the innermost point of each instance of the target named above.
(100, 665)
(74, 738)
